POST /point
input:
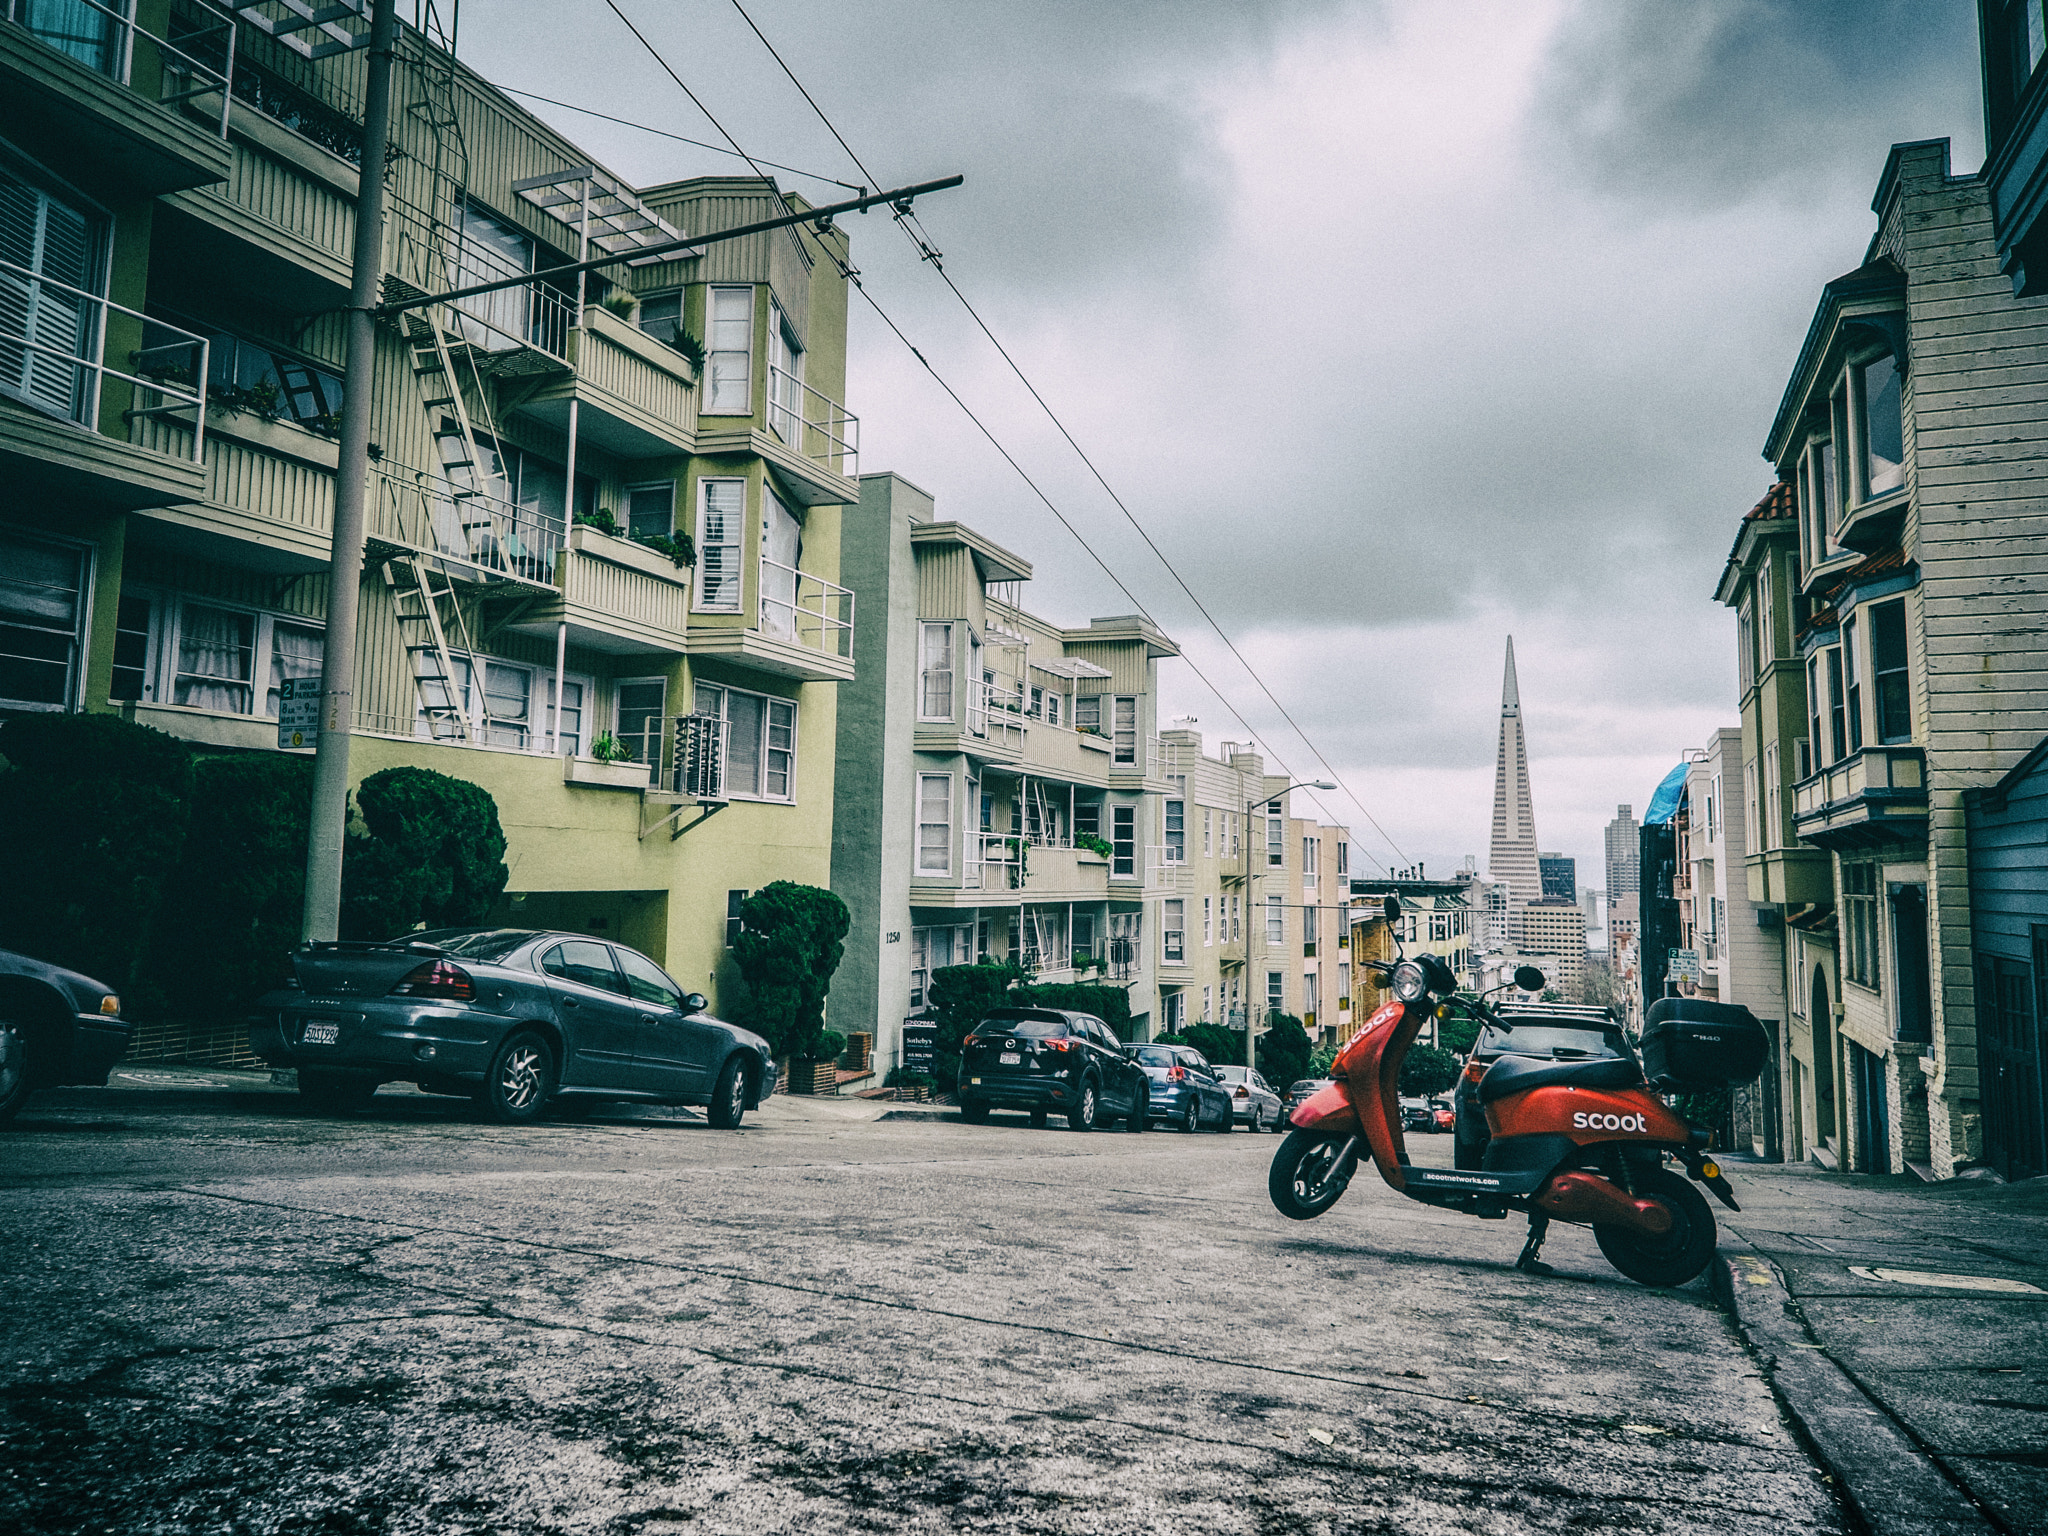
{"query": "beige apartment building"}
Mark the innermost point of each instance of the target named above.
(1325, 928)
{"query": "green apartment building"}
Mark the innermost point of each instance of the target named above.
(177, 205)
(980, 747)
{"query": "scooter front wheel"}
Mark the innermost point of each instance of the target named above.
(1310, 1172)
(1671, 1258)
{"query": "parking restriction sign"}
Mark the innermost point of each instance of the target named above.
(298, 712)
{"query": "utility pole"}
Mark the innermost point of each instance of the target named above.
(322, 918)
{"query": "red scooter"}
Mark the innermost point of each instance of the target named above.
(1577, 1141)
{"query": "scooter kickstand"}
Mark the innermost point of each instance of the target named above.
(1528, 1263)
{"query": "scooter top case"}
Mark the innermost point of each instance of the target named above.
(1689, 1043)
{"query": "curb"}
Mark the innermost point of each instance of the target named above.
(919, 1114)
(1880, 1472)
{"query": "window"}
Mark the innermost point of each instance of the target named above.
(1276, 920)
(1208, 833)
(1766, 617)
(1308, 931)
(1208, 1004)
(934, 949)
(1236, 845)
(1125, 739)
(134, 639)
(48, 243)
(1052, 707)
(721, 513)
(934, 824)
(1088, 713)
(1309, 997)
(217, 654)
(637, 711)
(760, 741)
(729, 352)
(1123, 820)
(1439, 927)
(487, 249)
(1343, 983)
(1276, 837)
(1888, 672)
(1852, 676)
(586, 963)
(660, 315)
(567, 723)
(648, 983)
(651, 509)
(41, 608)
(1308, 858)
(1208, 921)
(1276, 992)
(1084, 933)
(1343, 859)
(1176, 832)
(785, 378)
(1859, 912)
(1838, 719)
(935, 684)
(1774, 800)
(1236, 919)
(1173, 932)
(216, 659)
(1088, 818)
(1815, 708)
(1752, 828)
(1745, 647)
(734, 900)
(1881, 427)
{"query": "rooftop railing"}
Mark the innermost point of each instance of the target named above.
(52, 345)
(103, 39)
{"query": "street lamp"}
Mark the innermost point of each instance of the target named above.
(1254, 918)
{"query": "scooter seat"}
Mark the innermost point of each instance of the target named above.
(1518, 1074)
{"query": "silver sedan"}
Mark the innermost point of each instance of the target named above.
(1252, 1103)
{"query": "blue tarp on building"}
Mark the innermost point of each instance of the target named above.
(1664, 803)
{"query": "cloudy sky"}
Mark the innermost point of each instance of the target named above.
(1402, 326)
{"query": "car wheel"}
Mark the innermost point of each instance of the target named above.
(1191, 1118)
(974, 1114)
(1141, 1111)
(328, 1092)
(728, 1096)
(1082, 1116)
(13, 1068)
(521, 1077)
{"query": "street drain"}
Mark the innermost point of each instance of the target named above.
(1948, 1282)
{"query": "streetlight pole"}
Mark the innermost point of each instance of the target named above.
(1255, 918)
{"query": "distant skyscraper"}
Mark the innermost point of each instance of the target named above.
(1560, 875)
(1512, 856)
(1623, 850)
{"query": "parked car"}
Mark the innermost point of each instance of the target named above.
(1416, 1115)
(1047, 1060)
(57, 1027)
(1442, 1116)
(515, 1018)
(1299, 1092)
(1185, 1093)
(1545, 1031)
(1252, 1103)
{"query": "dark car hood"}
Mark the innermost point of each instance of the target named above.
(85, 991)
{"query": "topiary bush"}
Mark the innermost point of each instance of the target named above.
(960, 997)
(1284, 1050)
(431, 851)
(1223, 1047)
(233, 906)
(790, 942)
(92, 814)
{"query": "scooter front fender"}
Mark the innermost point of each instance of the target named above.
(1328, 1111)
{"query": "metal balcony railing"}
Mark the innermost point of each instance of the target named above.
(466, 528)
(996, 863)
(815, 425)
(52, 345)
(103, 38)
(809, 610)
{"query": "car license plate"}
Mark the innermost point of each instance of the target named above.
(320, 1032)
(1010, 1059)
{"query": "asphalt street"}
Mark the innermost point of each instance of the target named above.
(224, 1314)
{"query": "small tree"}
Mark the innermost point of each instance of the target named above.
(790, 942)
(1428, 1071)
(1456, 1033)
(233, 907)
(1112, 1005)
(431, 852)
(1284, 1050)
(93, 812)
(961, 996)
(1223, 1047)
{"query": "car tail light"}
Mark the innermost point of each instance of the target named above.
(1176, 1074)
(437, 978)
(1475, 1070)
(1243, 1092)
(1055, 1045)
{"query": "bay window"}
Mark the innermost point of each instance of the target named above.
(760, 741)
(934, 824)
(935, 676)
(1123, 821)
(1880, 427)
(729, 351)
(1888, 674)
(721, 527)
(1852, 686)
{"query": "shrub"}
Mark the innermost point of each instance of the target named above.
(1456, 1033)
(1428, 1071)
(1112, 1005)
(790, 942)
(432, 852)
(960, 996)
(234, 904)
(93, 812)
(1223, 1047)
(1284, 1050)
(1324, 1059)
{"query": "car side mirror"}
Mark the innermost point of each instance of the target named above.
(695, 1002)
(1529, 979)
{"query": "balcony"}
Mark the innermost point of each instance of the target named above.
(1075, 757)
(616, 596)
(1143, 768)
(468, 534)
(92, 80)
(58, 393)
(812, 441)
(270, 228)
(268, 498)
(1167, 870)
(803, 628)
(1056, 873)
(1877, 795)
(1230, 952)
(1791, 877)
(635, 395)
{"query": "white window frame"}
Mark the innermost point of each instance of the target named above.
(770, 704)
(1308, 859)
(943, 820)
(728, 369)
(735, 540)
(1123, 739)
(619, 686)
(1208, 833)
(1173, 937)
(166, 622)
(1276, 838)
(1276, 919)
(85, 563)
(1208, 921)
(930, 639)
(1174, 832)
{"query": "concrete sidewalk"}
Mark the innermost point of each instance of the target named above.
(1905, 1326)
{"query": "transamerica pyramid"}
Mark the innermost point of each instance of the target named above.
(1512, 858)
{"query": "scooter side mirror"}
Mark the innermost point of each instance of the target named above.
(1392, 908)
(1529, 979)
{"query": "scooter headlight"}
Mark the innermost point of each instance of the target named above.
(1410, 984)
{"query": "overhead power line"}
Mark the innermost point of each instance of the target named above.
(926, 252)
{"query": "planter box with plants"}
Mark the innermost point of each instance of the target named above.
(609, 766)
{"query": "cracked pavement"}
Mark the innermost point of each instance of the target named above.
(228, 1315)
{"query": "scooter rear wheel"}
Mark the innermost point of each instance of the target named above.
(1309, 1173)
(1678, 1255)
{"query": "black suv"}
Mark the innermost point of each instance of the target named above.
(1544, 1031)
(1046, 1060)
